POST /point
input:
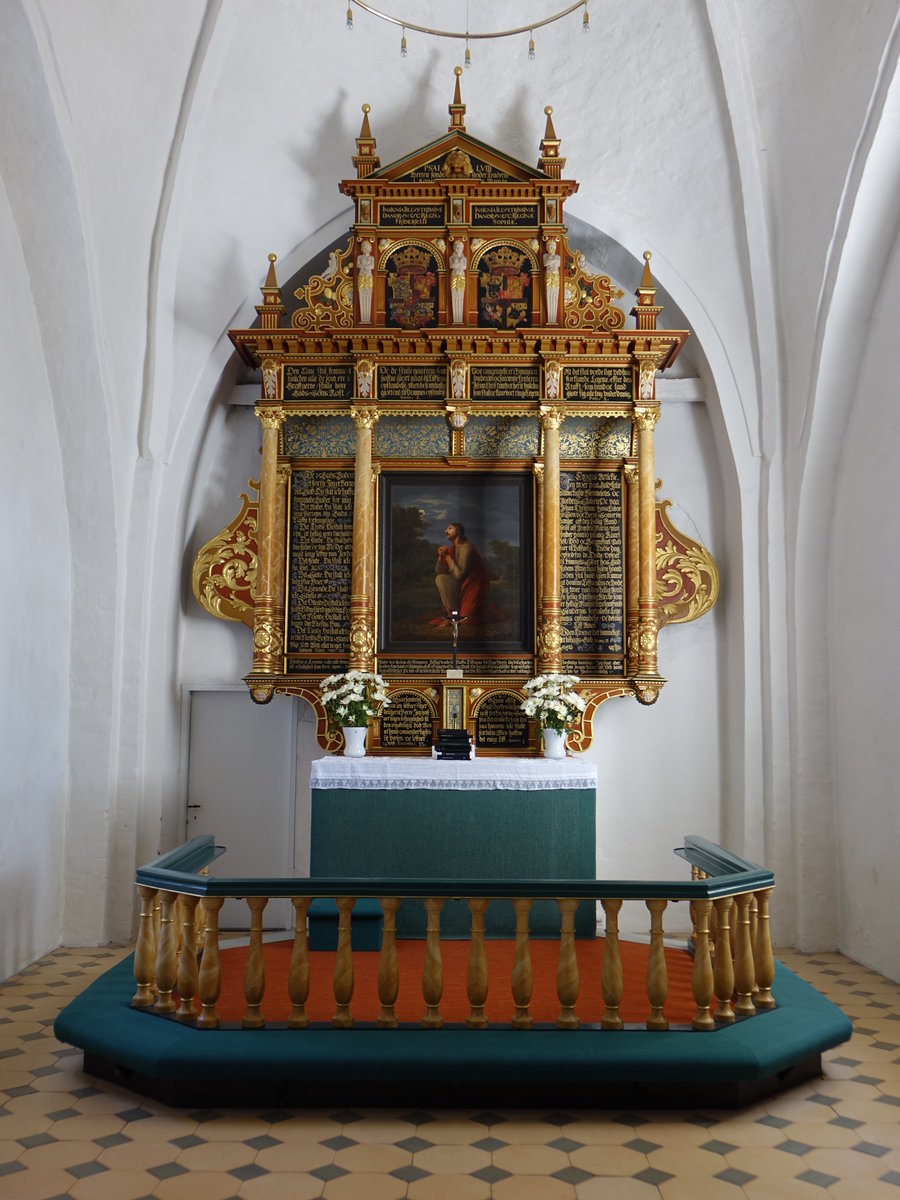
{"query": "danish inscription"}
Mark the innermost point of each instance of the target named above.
(321, 553)
(592, 562)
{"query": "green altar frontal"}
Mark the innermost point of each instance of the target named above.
(481, 819)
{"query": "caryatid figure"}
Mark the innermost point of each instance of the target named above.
(365, 268)
(551, 281)
(458, 264)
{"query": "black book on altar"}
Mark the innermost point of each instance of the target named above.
(453, 743)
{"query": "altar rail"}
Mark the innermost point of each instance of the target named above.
(733, 960)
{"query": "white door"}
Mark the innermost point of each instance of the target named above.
(242, 791)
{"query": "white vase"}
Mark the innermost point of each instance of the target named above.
(554, 743)
(354, 740)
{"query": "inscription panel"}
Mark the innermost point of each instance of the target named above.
(500, 721)
(504, 215)
(321, 552)
(470, 666)
(610, 385)
(505, 383)
(318, 381)
(592, 562)
(406, 721)
(409, 216)
(406, 381)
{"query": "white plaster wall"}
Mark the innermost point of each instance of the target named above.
(865, 647)
(34, 647)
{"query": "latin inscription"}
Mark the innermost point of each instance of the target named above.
(500, 721)
(601, 384)
(406, 721)
(318, 381)
(409, 216)
(592, 562)
(506, 215)
(505, 383)
(403, 381)
(321, 553)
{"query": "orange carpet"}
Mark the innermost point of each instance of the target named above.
(454, 1006)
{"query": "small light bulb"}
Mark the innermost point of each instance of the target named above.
(586, 20)
(349, 17)
(531, 45)
(467, 61)
(403, 45)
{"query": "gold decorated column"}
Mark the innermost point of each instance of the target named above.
(549, 638)
(362, 634)
(633, 566)
(268, 600)
(646, 414)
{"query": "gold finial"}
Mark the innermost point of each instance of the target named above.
(550, 161)
(365, 159)
(273, 258)
(367, 108)
(457, 109)
(271, 281)
(457, 71)
(647, 278)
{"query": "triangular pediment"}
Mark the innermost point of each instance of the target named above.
(458, 156)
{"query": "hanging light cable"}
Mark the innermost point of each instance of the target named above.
(467, 35)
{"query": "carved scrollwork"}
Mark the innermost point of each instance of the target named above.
(326, 301)
(224, 573)
(590, 298)
(687, 578)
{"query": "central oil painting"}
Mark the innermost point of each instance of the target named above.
(459, 544)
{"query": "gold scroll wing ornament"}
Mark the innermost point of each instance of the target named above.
(687, 578)
(224, 575)
(326, 301)
(589, 297)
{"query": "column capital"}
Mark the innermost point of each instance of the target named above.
(645, 417)
(283, 473)
(552, 416)
(271, 416)
(365, 418)
(631, 472)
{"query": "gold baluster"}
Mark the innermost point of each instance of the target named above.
(765, 960)
(343, 965)
(255, 971)
(567, 982)
(743, 958)
(298, 972)
(188, 973)
(612, 981)
(388, 973)
(145, 951)
(166, 954)
(702, 977)
(753, 928)
(657, 972)
(433, 971)
(521, 973)
(724, 964)
(477, 975)
(210, 964)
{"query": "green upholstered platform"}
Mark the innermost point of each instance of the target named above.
(321, 1066)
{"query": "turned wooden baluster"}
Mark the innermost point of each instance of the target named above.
(744, 977)
(255, 970)
(723, 974)
(753, 928)
(343, 965)
(765, 960)
(188, 973)
(145, 951)
(166, 954)
(477, 975)
(210, 964)
(702, 978)
(567, 982)
(522, 983)
(657, 972)
(388, 972)
(298, 972)
(612, 981)
(433, 970)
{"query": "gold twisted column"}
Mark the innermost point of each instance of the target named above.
(549, 636)
(633, 567)
(645, 417)
(362, 633)
(268, 601)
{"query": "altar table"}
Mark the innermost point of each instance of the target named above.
(487, 818)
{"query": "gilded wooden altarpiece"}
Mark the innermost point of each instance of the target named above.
(458, 362)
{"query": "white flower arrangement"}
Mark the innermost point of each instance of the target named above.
(550, 699)
(349, 699)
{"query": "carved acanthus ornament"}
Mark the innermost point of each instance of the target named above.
(590, 298)
(646, 418)
(224, 574)
(366, 417)
(271, 417)
(687, 578)
(326, 301)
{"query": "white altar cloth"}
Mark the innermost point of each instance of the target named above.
(474, 775)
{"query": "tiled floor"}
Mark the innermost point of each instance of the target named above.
(63, 1134)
